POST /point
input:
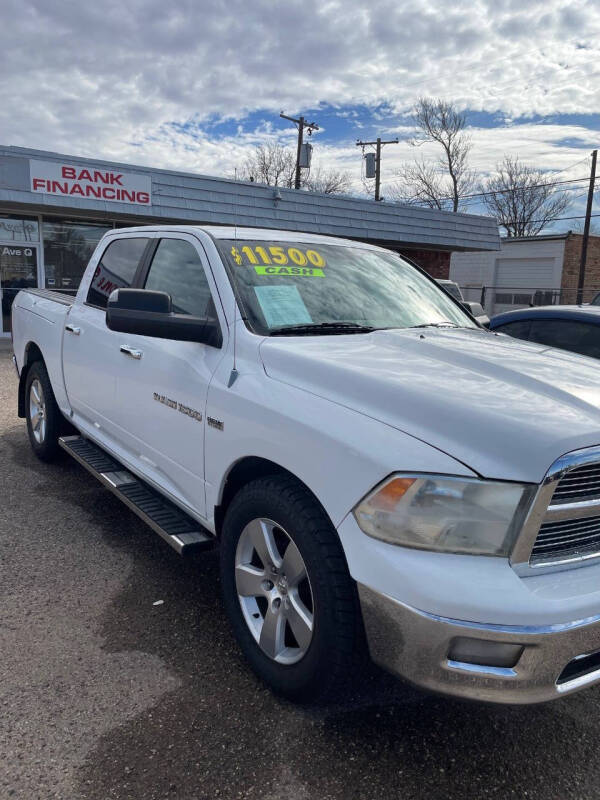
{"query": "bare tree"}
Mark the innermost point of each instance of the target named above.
(440, 184)
(270, 163)
(522, 198)
(274, 164)
(328, 181)
(420, 184)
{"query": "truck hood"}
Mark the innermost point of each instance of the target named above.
(503, 407)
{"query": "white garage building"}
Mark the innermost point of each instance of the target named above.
(525, 270)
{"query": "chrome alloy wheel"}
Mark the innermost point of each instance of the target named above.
(274, 591)
(37, 411)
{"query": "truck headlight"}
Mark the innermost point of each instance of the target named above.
(443, 513)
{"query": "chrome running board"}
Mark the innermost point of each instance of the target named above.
(171, 523)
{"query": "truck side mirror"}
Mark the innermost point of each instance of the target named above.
(476, 311)
(148, 313)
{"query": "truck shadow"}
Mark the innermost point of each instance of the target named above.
(221, 733)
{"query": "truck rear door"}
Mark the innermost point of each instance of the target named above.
(91, 356)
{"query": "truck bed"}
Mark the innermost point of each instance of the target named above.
(50, 294)
(38, 318)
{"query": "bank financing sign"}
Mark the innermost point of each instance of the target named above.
(92, 183)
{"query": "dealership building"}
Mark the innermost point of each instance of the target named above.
(54, 209)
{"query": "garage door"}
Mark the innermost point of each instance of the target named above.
(518, 279)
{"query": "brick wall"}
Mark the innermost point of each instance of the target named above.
(570, 273)
(435, 262)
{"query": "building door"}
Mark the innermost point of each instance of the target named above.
(18, 270)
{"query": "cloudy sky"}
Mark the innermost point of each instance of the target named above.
(194, 85)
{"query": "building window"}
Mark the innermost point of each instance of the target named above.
(68, 246)
(15, 228)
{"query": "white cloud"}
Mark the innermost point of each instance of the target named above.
(109, 79)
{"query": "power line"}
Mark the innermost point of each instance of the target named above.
(576, 164)
(473, 199)
(515, 189)
(548, 221)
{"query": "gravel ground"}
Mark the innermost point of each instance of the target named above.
(104, 695)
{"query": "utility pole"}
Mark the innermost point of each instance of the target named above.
(378, 144)
(586, 229)
(301, 124)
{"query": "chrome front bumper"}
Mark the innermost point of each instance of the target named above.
(417, 646)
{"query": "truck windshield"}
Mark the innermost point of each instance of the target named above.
(322, 288)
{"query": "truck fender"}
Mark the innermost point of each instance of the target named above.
(32, 353)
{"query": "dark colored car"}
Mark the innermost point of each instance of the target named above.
(575, 328)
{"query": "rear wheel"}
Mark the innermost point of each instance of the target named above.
(42, 413)
(287, 590)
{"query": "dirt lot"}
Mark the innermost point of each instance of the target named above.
(104, 695)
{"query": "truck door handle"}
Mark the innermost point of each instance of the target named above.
(131, 351)
(73, 329)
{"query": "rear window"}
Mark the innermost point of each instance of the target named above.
(116, 269)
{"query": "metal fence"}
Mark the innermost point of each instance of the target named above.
(496, 299)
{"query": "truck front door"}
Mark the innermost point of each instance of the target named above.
(162, 385)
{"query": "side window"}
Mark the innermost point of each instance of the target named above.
(520, 329)
(116, 269)
(177, 270)
(578, 337)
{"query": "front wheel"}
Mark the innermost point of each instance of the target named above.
(287, 590)
(42, 413)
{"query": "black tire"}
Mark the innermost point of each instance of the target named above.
(44, 446)
(323, 671)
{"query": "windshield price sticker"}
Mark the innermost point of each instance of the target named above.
(277, 260)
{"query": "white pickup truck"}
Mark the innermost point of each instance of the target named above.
(373, 465)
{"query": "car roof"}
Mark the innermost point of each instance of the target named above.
(581, 313)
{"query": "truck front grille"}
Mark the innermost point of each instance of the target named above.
(566, 512)
(575, 538)
(578, 484)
